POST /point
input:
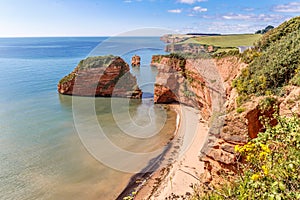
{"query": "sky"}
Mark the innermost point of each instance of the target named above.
(30, 18)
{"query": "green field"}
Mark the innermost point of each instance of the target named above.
(226, 41)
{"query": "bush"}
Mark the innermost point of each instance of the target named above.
(272, 69)
(240, 109)
(249, 55)
(278, 33)
(296, 79)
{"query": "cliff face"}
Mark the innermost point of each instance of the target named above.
(178, 80)
(104, 76)
(206, 84)
(240, 123)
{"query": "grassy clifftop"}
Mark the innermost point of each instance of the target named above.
(95, 62)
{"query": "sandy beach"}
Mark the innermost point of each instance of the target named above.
(177, 178)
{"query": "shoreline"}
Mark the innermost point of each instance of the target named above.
(183, 166)
(139, 180)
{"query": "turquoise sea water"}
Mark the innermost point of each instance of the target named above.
(41, 155)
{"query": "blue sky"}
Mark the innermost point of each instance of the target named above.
(112, 17)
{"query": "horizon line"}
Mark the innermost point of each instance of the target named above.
(95, 36)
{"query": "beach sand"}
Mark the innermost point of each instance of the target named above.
(177, 178)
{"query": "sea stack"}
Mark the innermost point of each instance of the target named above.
(101, 76)
(136, 61)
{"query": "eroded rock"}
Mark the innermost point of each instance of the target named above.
(136, 61)
(101, 76)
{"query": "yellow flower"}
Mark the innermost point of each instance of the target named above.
(255, 177)
(262, 155)
(265, 169)
(248, 158)
(236, 148)
(265, 148)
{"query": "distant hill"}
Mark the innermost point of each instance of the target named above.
(204, 34)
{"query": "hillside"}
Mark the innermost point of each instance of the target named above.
(276, 62)
(266, 101)
(217, 43)
(227, 41)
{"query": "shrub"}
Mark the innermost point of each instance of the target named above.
(240, 109)
(271, 69)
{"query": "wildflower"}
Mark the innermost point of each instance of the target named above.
(262, 155)
(255, 177)
(248, 158)
(236, 148)
(265, 148)
(265, 170)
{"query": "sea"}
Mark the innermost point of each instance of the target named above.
(42, 152)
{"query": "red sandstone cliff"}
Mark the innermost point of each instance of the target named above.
(100, 76)
(136, 61)
(208, 83)
(178, 80)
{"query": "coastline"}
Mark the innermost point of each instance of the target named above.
(183, 167)
(138, 181)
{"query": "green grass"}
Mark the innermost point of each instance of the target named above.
(226, 41)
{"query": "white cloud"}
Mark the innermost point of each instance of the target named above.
(236, 16)
(190, 1)
(221, 27)
(199, 9)
(260, 17)
(293, 7)
(175, 11)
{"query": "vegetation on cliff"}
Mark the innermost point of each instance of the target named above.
(88, 63)
(268, 166)
(276, 62)
(96, 61)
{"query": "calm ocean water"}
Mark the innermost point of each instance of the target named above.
(41, 155)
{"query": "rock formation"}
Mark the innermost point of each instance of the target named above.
(178, 80)
(101, 76)
(136, 61)
(240, 123)
(206, 84)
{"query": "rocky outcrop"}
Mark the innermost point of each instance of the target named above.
(178, 80)
(101, 76)
(136, 61)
